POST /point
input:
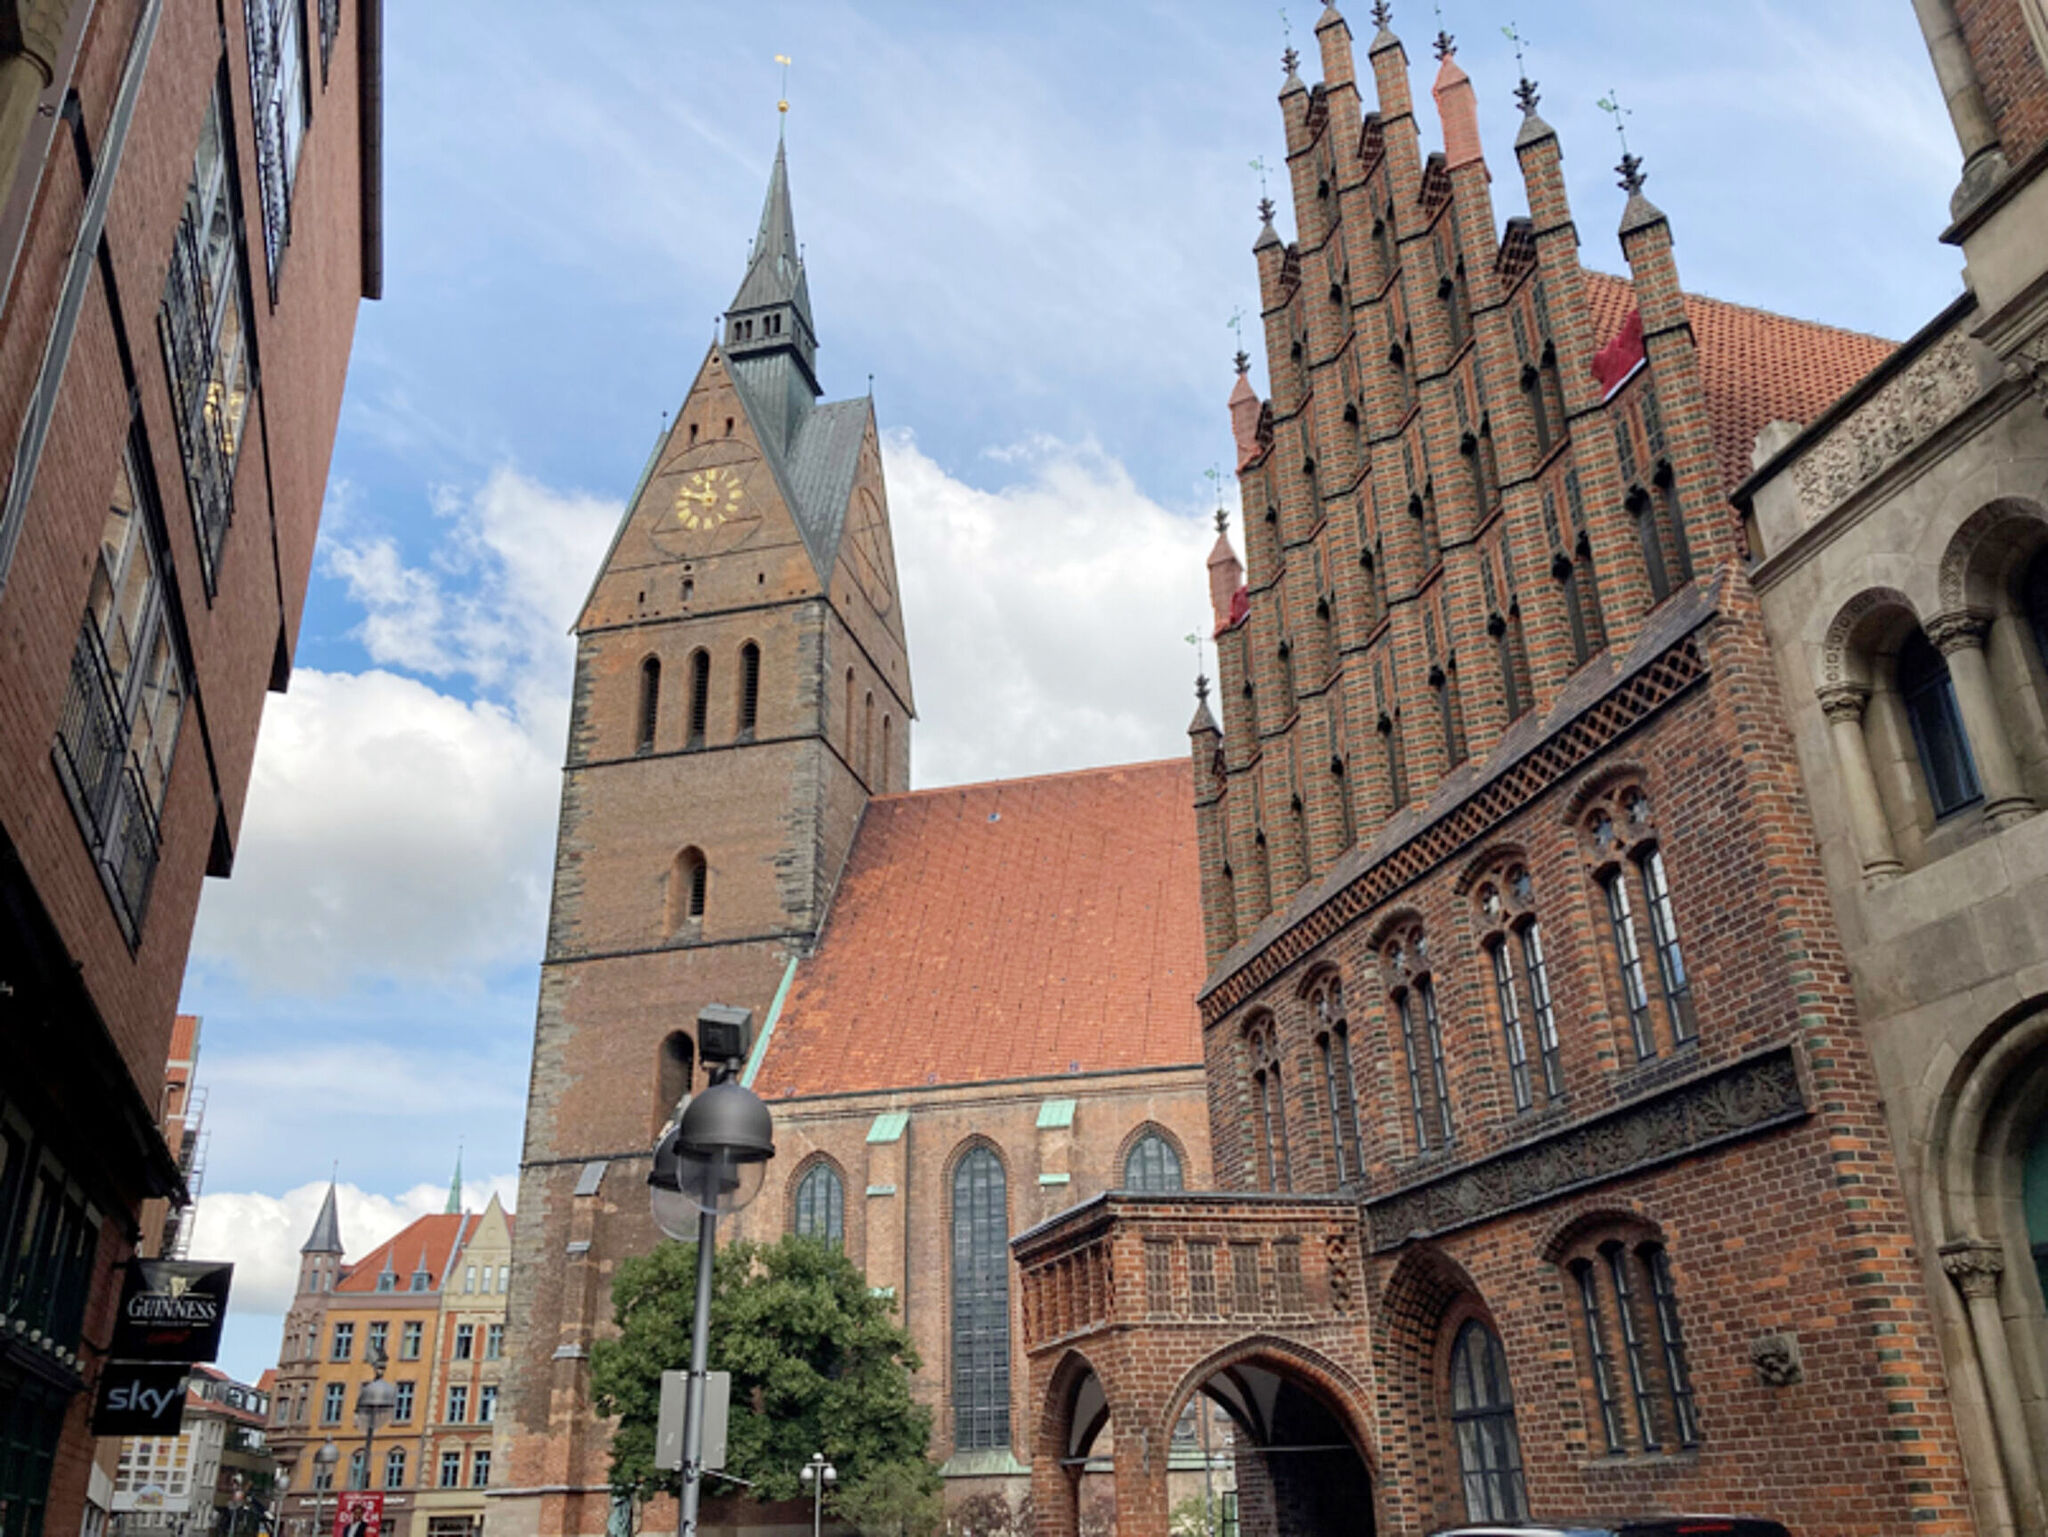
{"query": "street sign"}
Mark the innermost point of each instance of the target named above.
(359, 1513)
(171, 1310)
(668, 1430)
(137, 1398)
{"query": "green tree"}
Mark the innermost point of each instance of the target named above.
(818, 1363)
(896, 1499)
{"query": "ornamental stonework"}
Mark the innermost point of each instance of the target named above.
(1933, 388)
(1737, 1100)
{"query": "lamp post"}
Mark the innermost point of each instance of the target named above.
(709, 1162)
(376, 1400)
(818, 1473)
(323, 1462)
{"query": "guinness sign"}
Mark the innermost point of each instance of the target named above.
(172, 1310)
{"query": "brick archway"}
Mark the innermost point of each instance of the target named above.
(1075, 1413)
(1304, 1462)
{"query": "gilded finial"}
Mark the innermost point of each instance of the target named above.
(782, 105)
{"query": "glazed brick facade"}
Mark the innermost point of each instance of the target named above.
(92, 966)
(1465, 707)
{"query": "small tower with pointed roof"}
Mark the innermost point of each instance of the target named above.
(320, 1255)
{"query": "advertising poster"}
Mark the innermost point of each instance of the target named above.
(359, 1513)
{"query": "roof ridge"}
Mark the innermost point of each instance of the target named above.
(1027, 779)
(1751, 309)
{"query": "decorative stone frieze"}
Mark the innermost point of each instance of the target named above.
(1931, 389)
(1736, 1099)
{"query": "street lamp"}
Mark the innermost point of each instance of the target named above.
(709, 1162)
(323, 1462)
(376, 1401)
(818, 1473)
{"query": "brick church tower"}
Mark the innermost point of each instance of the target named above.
(742, 688)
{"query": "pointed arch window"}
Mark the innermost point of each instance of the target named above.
(1639, 508)
(1937, 726)
(867, 740)
(849, 713)
(1673, 517)
(1152, 1166)
(650, 702)
(1397, 778)
(1513, 940)
(888, 754)
(1539, 413)
(1269, 1104)
(819, 1210)
(1405, 963)
(700, 696)
(1483, 1420)
(981, 1303)
(1626, 854)
(750, 688)
(1333, 1050)
(1347, 821)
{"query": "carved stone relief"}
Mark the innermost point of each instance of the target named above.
(1933, 388)
(1733, 1100)
(1776, 1359)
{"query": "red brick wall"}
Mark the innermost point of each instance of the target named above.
(2008, 61)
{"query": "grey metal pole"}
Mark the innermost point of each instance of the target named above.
(693, 1394)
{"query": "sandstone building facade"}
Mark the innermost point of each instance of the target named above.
(189, 216)
(432, 1301)
(1554, 1170)
(1905, 586)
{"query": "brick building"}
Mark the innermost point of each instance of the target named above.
(432, 1300)
(1555, 1174)
(189, 215)
(214, 1475)
(1905, 586)
(972, 1006)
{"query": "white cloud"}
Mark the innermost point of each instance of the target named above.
(394, 829)
(261, 1233)
(1045, 618)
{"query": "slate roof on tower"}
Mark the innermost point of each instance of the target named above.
(326, 1235)
(1023, 928)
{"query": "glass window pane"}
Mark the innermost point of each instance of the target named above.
(981, 1303)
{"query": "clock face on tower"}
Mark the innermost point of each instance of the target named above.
(703, 503)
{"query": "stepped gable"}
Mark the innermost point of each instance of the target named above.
(1756, 367)
(1022, 928)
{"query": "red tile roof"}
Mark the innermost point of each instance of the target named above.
(436, 1237)
(1757, 367)
(1023, 928)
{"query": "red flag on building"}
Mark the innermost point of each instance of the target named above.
(1615, 362)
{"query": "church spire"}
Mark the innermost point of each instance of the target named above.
(769, 336)
(326, 1235)
(455, 1184)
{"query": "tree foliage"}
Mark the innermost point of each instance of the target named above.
(818, 1363)
(898, 1499)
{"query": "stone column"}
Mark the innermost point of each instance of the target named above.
(1843, 705)
(1960, 638)
(1975, 1265)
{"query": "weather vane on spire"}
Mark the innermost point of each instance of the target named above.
(782, 106)
(1214, 475)
(1259, 165)
(1525, 91)
(1446, 45)
(1194, 638)
(1631, 167)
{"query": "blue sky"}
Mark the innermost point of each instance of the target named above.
(1030, 225)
